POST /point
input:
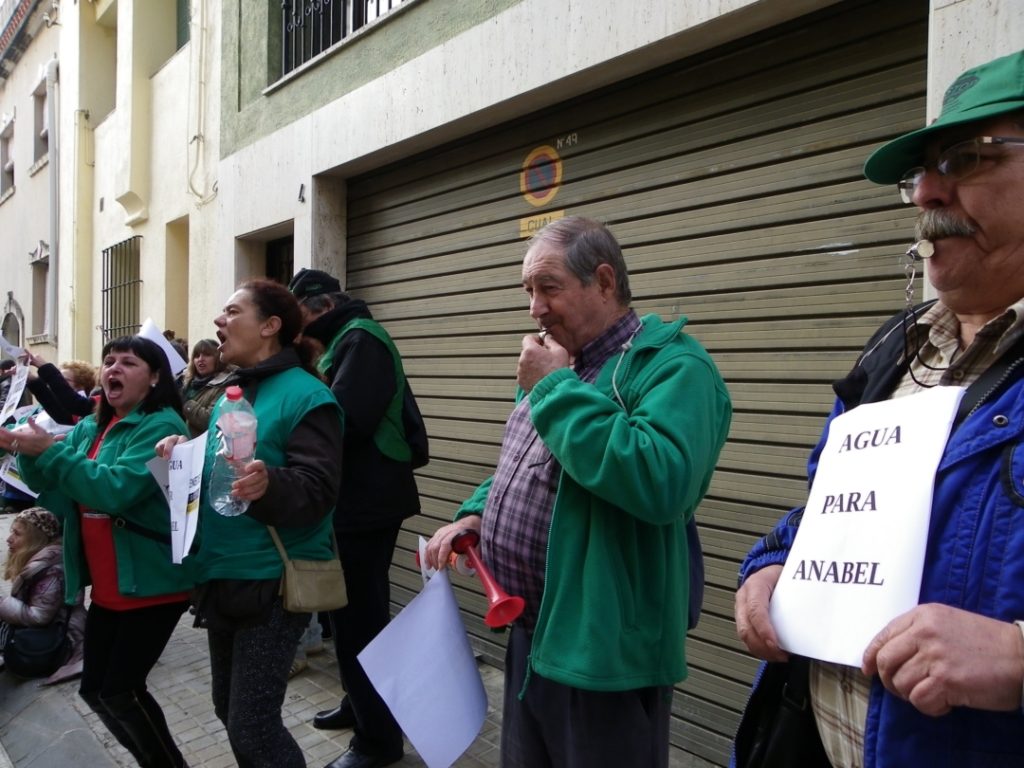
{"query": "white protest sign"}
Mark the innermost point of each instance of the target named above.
(9, 349)
(857, 559)
(423, 667)
(151, 331)
(180, 479)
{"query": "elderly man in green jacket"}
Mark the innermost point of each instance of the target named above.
(604, 460)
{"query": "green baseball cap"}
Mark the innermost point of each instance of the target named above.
(986, 91)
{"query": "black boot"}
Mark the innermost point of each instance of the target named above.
(143, 720)
(113, 725)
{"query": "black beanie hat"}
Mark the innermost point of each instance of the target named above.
(312, 282)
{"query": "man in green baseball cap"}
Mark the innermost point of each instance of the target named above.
(940, 685)
(991, 90)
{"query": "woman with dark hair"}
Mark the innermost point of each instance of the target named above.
(291, 485)
(117, 537)
(205, 381)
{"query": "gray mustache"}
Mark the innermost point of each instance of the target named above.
(937, 224)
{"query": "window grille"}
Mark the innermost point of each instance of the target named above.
(41, 140)
(40, 261)
(121, 288)
(7, 158)
(310, 27)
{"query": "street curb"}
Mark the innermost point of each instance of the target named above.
(5, 761)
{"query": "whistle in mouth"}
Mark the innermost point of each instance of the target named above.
(921, 250)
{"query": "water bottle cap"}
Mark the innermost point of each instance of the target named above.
(233, 393)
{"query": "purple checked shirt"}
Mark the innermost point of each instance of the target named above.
(517, 516)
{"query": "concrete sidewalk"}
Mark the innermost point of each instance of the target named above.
(51, 727)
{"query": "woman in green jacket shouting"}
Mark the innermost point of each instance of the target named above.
(117, 537)
(292, 485)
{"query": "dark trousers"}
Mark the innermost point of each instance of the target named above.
(249, 670)
(120, 649)
(366, 561)
(557, 726)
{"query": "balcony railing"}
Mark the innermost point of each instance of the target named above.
(310, 27)
(14, 16)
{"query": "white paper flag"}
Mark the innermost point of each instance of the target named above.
(423, 667)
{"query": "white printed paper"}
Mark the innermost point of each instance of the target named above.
(180, 479)
(857, 558)
(423, 667)
(10, 349)
(14, 393)
(151, 331)
(9, 474)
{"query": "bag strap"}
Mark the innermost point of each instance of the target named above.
(128, 525)
(994, 377)
(798, 682)
(284, 553)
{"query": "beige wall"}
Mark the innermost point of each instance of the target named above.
(155, 166)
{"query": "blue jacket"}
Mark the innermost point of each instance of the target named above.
(974, 558)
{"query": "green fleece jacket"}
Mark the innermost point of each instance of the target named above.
(117, 483)
(616, 588)
(240, 547)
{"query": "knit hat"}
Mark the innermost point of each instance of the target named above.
(42, 519)
(986, 91)
(312, 282)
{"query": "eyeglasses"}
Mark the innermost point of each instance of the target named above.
(958, 161)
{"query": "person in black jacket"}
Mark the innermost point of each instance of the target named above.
(64, 393)
(378, 491)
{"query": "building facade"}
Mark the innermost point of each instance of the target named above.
(722, 141)
(410, 147)
(28, 173)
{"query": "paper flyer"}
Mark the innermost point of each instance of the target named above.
(9, 474)
(10, 349)
(180, 479)
(18, 380)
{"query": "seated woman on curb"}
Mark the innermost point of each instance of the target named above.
(36, 572)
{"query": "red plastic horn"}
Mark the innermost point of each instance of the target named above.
(504, 608)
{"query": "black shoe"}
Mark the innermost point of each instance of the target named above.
(335, 719)
(353, 758)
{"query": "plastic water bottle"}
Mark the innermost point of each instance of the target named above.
(237, 426)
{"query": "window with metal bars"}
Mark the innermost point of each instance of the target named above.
(310, 27)
(121, 288)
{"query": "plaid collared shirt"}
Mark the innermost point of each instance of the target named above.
(517, 516)
(839, 694)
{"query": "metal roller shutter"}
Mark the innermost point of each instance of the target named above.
(733, 181)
